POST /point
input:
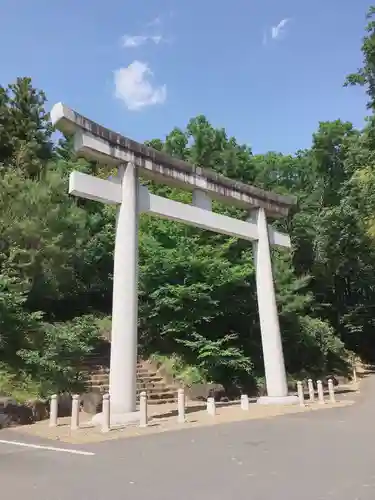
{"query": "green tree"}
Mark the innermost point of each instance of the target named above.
(25, 130)
(17, 325)
(365, 75)
(197, 289)
(56, 356)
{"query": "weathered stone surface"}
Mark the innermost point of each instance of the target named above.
(64, 405)
(200, 392)
(14, 413)
(151, 378)
(5, 420)
(40, 409)
(336, 380)
(5, 401)
(92, 402)
(116, 149)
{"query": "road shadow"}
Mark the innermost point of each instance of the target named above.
(365, 373)
(198, 407)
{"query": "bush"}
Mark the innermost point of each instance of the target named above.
(20, 386)
(17, 326)
(316, 350)
(56, 358)
(219, 360)
(178, 369)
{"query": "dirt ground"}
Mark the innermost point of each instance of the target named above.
(163, 418)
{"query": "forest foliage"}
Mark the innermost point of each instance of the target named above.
(196, 289)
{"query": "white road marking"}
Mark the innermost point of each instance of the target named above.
(47, 448)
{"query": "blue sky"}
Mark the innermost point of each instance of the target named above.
(266, 70)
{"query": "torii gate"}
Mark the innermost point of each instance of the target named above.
(133, 159)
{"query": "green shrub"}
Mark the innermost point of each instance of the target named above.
(20, 386)
(56, 358)
(178, 369)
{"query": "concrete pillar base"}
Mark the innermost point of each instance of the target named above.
(118, 419)
(275, 400)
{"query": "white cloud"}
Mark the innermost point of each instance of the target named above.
(275, 32)
(134, 88)
(156, 39)
(278, 30)
(133, 41)
(129, 41)
(155, 22)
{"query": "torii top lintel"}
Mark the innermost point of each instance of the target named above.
(99, 143)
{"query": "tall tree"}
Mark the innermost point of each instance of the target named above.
(365, 75)
(25, 130)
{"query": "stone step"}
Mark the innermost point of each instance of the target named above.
(100, 387)
(98, 376)
(103, 385)
(164, 392)
(157, 386)
(96, 362)
(99, 363)
(144, 372)
(99, 380)
(157, 398)
(156, 393)
(154, 402)
(148, 380)
(170, 396)
(140, 372)
(153, 380)
(98, 371)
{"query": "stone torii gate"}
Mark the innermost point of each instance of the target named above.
(132, 160)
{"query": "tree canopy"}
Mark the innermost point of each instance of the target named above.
(196, 289)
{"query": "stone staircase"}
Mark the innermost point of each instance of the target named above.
(149, 379)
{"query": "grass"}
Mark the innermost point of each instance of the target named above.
(18, 386)
(180, 371)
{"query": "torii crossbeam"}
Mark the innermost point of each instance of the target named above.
(133, 159)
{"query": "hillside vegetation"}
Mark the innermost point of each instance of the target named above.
(196, 289)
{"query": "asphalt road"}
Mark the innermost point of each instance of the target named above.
(313, 456)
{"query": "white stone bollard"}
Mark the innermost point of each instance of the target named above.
(301, 395)
(106, 423)
(311, 390)
(244, 402)
(354, 374)
(320, 392)
(53, 411)
(74, 421)
(331, 390)
(143, 421)
(181, 406)
(211, 406)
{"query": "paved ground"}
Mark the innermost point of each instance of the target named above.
(306, 456)
(164, 419)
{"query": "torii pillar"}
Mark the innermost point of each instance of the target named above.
(124, 336)
(273, 357)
